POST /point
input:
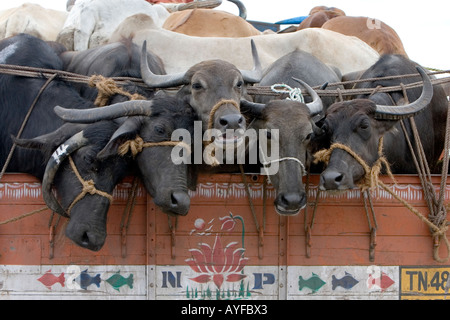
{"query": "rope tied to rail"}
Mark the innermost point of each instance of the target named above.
(137, 145)
(371, 181)
(295, 94)
(107, 87)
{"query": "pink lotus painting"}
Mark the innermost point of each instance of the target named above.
(220, 262)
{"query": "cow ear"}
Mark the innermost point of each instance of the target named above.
(50, 141)
(127, 131)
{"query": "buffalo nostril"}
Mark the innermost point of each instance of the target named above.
(339, 178)
(223, 122)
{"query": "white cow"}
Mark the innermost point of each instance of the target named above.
(90, 23)
(32, 19)
(179, 52)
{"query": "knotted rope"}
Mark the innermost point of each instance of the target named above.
(107, 87)
(295, 94)
(371, 181)
(137, 145)
(88, 187)
(371, 174)
(210, 157)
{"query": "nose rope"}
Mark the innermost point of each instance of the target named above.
(137, 145)
(210, 156)
(370, 173)
(266, 163)
(88, 187)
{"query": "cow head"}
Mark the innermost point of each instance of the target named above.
(210, 84)
(359, 124)
(292, 120)
(84, 182)
(165, 181)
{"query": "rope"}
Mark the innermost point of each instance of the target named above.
(23, 215)
(371, 173)
(107, 87)
(371, 181)
(88, 187)
(137, 145)
(295, 94)
(210, 156)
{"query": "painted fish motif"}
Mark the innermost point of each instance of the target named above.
(383, 282)
(117, 281)
(346, 282)
(85, 280)
(49, 279)
(314, 283)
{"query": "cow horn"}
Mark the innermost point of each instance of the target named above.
(316, 106)
(158, 80)
(64, 150)
(409, 110)
(254, 75)
(122, 109)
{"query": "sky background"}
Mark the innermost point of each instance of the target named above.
(423, 26)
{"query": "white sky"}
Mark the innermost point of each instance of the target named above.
(423, 26)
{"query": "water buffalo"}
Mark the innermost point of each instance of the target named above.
(294, 126)
(207, 84)
(360, 123)
(302, 65)
(45, 133)
(118, 59)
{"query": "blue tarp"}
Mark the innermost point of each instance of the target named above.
(296, 20)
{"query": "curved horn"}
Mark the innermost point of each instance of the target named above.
(241, 7)
(122, 109)
(207, 4)
(254, 75)
(157, 80)
(254, 108)
(64, 150)
(316, 106)
(409, 110)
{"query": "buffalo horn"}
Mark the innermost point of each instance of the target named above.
(315, 106)
(254, 75)
(399, 112)
(64, 150)
(157, 80)
(122, 109)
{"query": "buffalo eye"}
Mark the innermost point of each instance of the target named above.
(239, 84)
(160, 130)
(197, 86)
(308, 136)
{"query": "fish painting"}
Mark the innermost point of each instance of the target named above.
(49, 279)
(314, 283)
(346, 282)
(85, 280)
(117, 281)
(383, 282)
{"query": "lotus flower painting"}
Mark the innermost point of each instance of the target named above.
(218, 263)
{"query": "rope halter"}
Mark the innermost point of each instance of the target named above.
(137, 145)
(370, 173)
(88, 187)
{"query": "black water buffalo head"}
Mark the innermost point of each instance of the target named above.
(210, 84)
(289, 129)
(164, 180)
(84, 181)
(359, 124)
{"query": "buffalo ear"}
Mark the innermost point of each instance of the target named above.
(127, 131)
